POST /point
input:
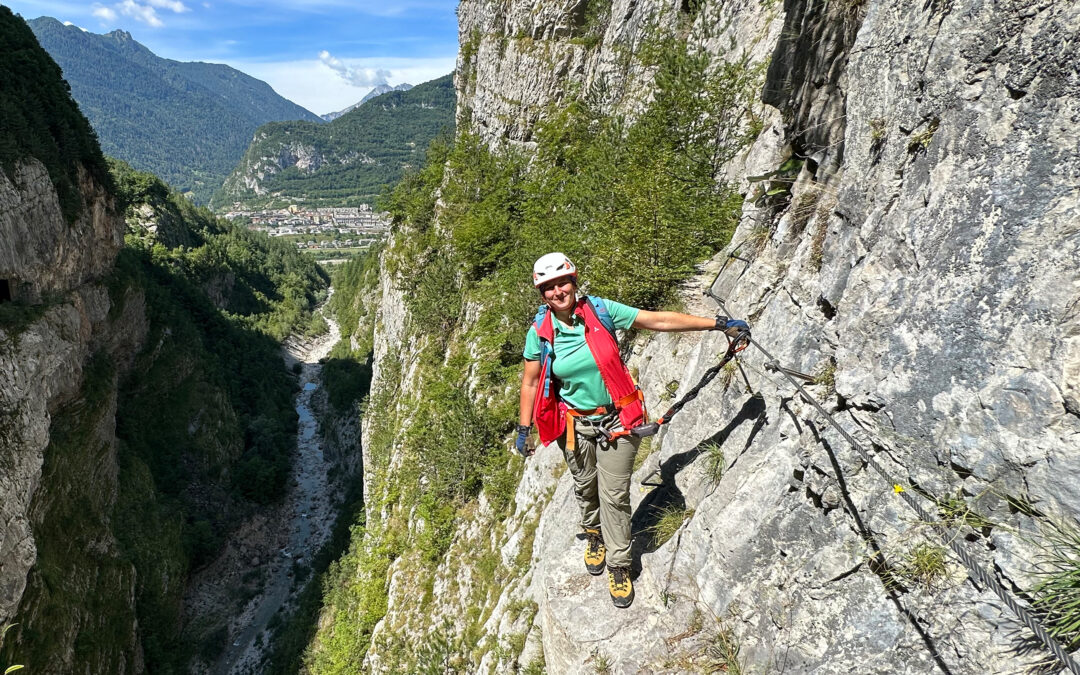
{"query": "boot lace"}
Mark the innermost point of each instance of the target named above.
(620, 577)
(596, 540)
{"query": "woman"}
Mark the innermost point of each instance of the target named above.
(574, 385)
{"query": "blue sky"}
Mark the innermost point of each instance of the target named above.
(323, 54)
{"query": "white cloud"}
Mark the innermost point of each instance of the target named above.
(369, 7)
(174, 5)
(357, 77)
(104, 13)
(322, 90)
(144, 13)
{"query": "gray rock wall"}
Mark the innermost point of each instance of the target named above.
(519, 58)
(40, 252)
(937, 268)
(42, 370)
(924, 266)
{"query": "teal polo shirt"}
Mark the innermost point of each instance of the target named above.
(580, 384)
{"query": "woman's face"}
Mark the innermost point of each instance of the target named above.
(559, 294)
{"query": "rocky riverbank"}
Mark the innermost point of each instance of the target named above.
(264, 565)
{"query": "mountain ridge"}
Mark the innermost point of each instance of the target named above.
(377, 91)
(187, 122)
(344, 162)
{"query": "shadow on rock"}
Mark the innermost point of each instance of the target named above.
(668, 495)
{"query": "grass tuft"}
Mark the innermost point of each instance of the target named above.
(1057, 593)
(826, 376)
(956, 511)
(924, 565)
(715, 462)
(3, 634)
(723, 652)
(671, 519)
(601, 664)
(921, 141)
(644, 451)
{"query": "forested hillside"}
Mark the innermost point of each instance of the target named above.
(346, 162)
(39, 119)
(185, 122)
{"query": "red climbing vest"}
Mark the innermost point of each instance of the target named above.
(550, 413)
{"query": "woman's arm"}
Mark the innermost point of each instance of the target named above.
(670, 322)
(530, 380)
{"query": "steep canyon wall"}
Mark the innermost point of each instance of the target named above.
(909, 237)
(59, 479)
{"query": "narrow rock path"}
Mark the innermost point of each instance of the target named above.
(307, 514)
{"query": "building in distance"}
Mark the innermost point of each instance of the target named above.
(364, 224)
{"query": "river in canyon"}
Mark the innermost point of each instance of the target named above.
(280, 545)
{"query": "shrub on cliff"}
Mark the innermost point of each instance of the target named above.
(40, 119)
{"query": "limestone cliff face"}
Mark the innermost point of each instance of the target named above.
(518, 58)
(255, 167)
(41, 253)
(59, 443)
(919, 256)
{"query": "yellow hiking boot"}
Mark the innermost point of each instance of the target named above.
(594, 552)
(620, 585)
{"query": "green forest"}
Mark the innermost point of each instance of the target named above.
(637, 204)
(362, 151)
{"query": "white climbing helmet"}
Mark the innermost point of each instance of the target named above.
(552, 266)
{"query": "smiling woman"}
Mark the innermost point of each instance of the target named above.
(582, 398)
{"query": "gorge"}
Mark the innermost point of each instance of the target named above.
(888, 191)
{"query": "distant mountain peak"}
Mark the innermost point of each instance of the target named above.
(379, 90)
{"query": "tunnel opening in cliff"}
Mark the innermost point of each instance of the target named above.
(5, 290)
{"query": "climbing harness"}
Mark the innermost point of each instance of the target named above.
(609, 425)
(948, 535)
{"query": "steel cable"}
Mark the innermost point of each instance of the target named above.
(948, 537)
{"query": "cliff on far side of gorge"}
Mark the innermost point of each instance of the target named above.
(61, 232)
(887, 191)
(145, 412)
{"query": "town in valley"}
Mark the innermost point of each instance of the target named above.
(322, 228)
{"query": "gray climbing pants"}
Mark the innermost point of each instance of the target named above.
(602, 485)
